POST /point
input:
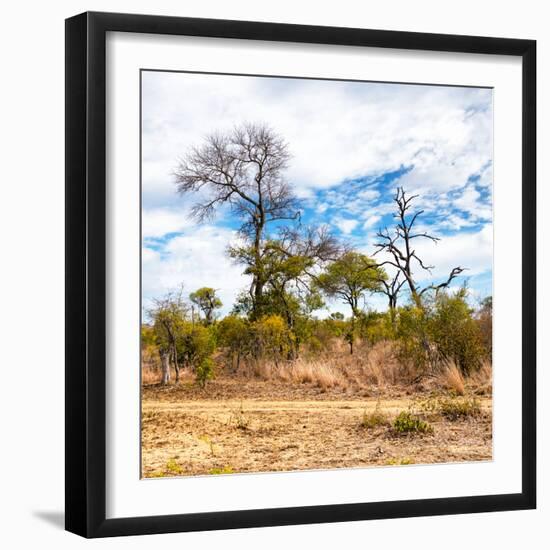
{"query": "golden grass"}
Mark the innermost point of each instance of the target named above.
(302, 371)
(375, 367)
(482, 380)
(150, 376)
(451, 378)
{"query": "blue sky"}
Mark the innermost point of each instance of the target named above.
(352, 144)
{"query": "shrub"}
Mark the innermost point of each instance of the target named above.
(221, 471)
(239, 419)
(375, 418)
(234, 334)
(272, 337)
(452, 408)
(399, 461)
(377, 327)
(455, 409)
(456, 333)
(204, 371)
(412, 332)
(407, 422)
(196, 344)
(173, 467)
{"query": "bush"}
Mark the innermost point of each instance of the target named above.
(399, 461)
(221, 471)
(406, 422)
(456, 333)
(196, 344)
(234, 335)
(412, 332)
(443, 331)
(375, 418)
(452, 408)
(377, 327)
(458, 408)
(204, 371)
(272, 337)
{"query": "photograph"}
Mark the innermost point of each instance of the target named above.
(316, 274)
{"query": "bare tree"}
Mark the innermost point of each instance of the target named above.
(391, 290)
(245, 170)
(400, 246)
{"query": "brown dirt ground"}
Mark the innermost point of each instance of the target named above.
(256, 426)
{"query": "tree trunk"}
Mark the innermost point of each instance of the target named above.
(165, 364)
(176, 364)
(259, 281)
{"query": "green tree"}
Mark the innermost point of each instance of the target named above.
(167, 315)
(455, 332)
(234, 335)
(348, 279)
(206, 300)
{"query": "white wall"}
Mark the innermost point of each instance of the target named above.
(31, 276)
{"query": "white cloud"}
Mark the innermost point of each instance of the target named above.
(371, 220)
(472, 250)
(336, 131)
(346, 226)
(157, 222)
(352, 130)
(196, 258)
(369, 194)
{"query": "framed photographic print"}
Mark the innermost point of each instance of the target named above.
(300, 274)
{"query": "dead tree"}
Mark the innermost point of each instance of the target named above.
(399, 245)
(391, 290)
(245, 170)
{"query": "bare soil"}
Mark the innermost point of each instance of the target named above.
(257, 426)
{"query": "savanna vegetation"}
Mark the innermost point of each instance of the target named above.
(280, 342)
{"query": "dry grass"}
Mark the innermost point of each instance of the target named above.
(376, 418)
(451, 378)
(481, 381)
(150, 376)
(302, 371)
(369, 366)
(197, 436)
(375, 369)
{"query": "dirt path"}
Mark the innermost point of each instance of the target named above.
(221, 436)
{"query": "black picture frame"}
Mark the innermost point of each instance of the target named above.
(86, 274)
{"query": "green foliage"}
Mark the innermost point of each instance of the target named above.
(485, 322)
(148, 336)
(451, 407)
(195, 343)
(234, 335)
(347, 279)
(173, 467)
(399, 461)
(221, 471)
(407, 422)
(375, 418)
(455, 332)
(271, 336)
(207, 301)
(459, 408)
(412, 336)
(377, 327)
(204, 371)
(441, 331)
